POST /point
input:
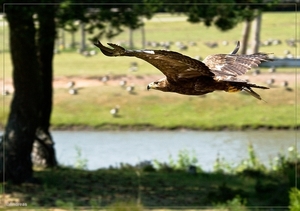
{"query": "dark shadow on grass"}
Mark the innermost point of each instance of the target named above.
(67, 186)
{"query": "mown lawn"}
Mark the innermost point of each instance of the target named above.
(163, 110)
(153, 109)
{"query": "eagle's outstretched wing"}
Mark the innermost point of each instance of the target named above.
(233, 64)
(172, 64)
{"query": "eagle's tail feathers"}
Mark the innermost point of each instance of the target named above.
(248, 85)
(248, 89)
(251, 92)
(244, 86)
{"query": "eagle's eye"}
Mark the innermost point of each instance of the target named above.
(156, 82)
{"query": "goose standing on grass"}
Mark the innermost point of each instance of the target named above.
(130, 89)
(73, 91)
(114, 111)
(123, 83)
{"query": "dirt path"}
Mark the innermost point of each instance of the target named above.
(62, 82)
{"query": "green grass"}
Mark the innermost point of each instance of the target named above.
(155, 189)
(167, 110)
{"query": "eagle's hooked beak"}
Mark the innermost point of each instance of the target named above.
(152, 85)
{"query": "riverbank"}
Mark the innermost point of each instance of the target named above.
(109, 127)
(147, 127)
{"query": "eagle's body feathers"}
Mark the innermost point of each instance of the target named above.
(185, 75)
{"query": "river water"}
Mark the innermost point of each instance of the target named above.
(102, 149)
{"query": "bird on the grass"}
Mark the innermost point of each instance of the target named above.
(188, 76)
(114, 111)
(130, 89)
(73, 91)
(123, 83)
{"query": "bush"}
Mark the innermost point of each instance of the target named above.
(294, 199)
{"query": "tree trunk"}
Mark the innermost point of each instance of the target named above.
(245, 36)
(19, 134)
(82, 43)
(63, 40)
(143, 37)
(130, 38)
(73, 42)
(43, 152)
(256, 34)
(29, 117)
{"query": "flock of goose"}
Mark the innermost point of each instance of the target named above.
(181, 46)
(133, 66)
(72, 90)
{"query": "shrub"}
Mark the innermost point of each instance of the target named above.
(294, 199)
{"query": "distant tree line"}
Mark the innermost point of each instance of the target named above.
(285, 5)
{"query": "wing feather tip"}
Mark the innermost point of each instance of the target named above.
(115, 51)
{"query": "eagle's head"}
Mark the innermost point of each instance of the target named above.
(161, 85)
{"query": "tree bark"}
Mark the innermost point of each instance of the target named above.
(131, 38)
(73, 42)
(82, 43)
(245, 36)
(256, 33)
(143, 37)
(29, 117)
(16, 146)
(43, 152)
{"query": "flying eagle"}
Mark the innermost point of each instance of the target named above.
(188, 76)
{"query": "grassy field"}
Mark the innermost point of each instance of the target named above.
(144, 109)
(90, 108)
(172, 111)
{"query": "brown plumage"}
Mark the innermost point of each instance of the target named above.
(189, 76)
